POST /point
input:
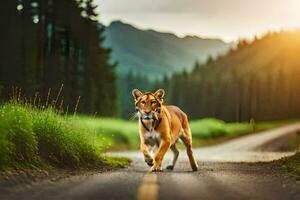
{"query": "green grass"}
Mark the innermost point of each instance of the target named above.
(120, 134)
(214, 128)
(34, 138)
(116, 161)
(18, 143)
(116, 134)
(210, 131)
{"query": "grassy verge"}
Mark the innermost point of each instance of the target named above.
(115, 134)
(34, 138)
(291, 165)
(119, 134)
(212, 131)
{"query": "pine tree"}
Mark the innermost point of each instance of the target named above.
(55, 42)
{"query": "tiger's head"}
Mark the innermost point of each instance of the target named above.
(148, 105)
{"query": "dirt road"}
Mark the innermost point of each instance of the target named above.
(227, 171)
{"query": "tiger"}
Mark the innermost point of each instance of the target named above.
(160, 128)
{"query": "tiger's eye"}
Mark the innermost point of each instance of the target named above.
(153, 102)
(143, 102)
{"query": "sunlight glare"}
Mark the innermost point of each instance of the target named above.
(19, 7)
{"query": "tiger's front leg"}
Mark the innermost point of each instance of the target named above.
(159, 155)
(147, 157)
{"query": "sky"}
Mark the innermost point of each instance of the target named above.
(225, 19)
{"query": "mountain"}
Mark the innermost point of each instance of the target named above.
(153, 53)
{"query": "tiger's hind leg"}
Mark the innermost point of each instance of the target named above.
(176, 154)
(186, 138)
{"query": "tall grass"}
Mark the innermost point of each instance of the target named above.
(31, 137)
(36, 133)
(62, 142)
(18, 143)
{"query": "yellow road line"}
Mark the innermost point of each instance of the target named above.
(148, 189)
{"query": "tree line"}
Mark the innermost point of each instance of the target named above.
(49, 45)
(257, 80)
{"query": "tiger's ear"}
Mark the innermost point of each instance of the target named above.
(160, 94)
(136, 93)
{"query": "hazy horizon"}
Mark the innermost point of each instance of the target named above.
(228, 20)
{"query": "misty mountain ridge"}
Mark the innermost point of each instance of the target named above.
(153, 53)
